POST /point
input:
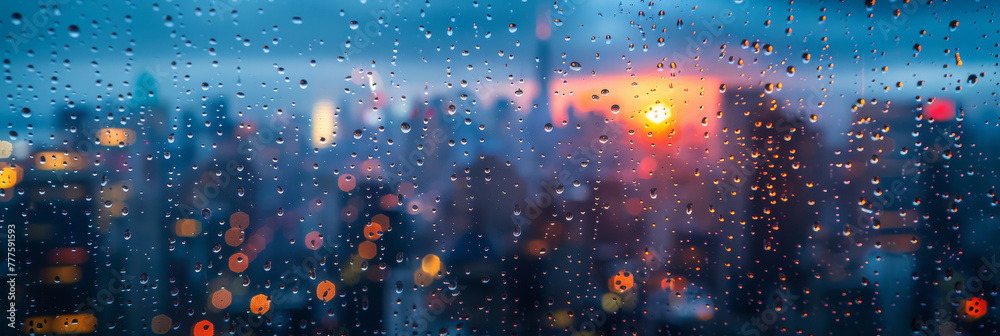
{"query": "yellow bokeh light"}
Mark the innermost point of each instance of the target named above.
(324, 124)
(113, 137)
(10, 175)
(60, 161)
(561, 318)
(611, 302)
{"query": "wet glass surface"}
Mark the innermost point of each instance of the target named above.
(571, 167)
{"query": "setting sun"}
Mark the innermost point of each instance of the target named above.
(657, 114)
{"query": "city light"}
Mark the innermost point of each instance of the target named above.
(10, 175)
(113, 137)
(324, 125)
(59, 161)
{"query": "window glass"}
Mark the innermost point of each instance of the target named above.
(569, 167)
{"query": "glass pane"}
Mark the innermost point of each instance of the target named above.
(570, 167)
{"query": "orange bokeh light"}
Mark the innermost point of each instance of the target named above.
(675, 285)
(382, 221)
(373, 231)
(61, 275)
(37, 325)
(161, 324)
(431, 264)
(367, 250)
(621, 282)
(203, 328)
(326, 290)
(238, 262)
(234, 237)
(74, 324)
(10, 175)
(260, 304)
(239, 220)
(222, 298)
(973, 308)
(187, 227)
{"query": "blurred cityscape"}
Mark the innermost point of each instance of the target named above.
(526, 192)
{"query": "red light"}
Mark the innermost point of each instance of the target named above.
(203, 328)
(974, 308)
(940, 109)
